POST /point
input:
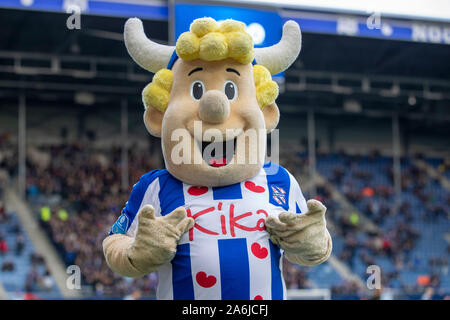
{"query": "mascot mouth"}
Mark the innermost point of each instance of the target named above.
(218, 154)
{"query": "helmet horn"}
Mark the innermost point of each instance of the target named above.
(148, 54)
(280, 56)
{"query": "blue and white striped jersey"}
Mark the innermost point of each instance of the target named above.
(227, 254)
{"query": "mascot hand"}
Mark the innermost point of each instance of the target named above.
(304, 237)
(155, 243)
(157, 238)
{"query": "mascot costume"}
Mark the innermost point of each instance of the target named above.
(216, 223)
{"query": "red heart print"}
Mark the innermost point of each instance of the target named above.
(204, 280)
(258, 297)
(253, 187)
(197, 191)
(258, 251)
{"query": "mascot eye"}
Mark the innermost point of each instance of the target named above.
(231, 90)
(197, 89)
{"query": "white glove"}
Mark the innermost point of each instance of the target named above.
(304, 237)
(155, 242)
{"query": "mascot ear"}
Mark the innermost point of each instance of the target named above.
(271, 116)
(153, 121)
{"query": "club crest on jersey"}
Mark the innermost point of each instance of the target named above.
(279, 195)
(121, 225)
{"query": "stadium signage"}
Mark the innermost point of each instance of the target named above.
(370, 26)
(156, 10)
(259, 21)
(431, 33)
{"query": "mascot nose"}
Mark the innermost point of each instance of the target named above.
(214, 107)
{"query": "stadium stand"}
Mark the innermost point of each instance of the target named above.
(23, 272)
(70, 90)
(77, 195)
(80, 189)
(443, 165)
(410, 246)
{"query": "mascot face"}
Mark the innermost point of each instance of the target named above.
(214, 107)
(215, 103)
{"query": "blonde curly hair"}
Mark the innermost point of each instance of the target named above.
(209, 40)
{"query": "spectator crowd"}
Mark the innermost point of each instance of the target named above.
(77, 192)
(13, 254)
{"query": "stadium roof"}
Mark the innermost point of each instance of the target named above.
(41, 55)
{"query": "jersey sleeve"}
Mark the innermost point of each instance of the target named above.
(140, 190)
(297, 202)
